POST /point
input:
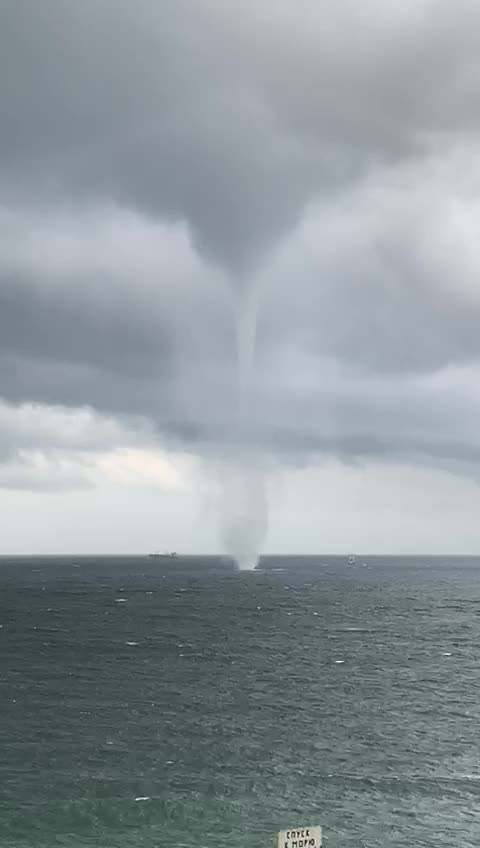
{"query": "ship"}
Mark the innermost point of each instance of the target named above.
(164, 555)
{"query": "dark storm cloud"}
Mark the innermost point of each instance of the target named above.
(110, 312)
(112, 101)
(68, 327)
(325, 152)
(229, 118)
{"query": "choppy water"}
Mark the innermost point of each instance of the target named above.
(238, 703)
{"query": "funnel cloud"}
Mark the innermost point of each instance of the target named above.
(244, 508)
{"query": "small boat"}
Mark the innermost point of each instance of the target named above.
(351, 560)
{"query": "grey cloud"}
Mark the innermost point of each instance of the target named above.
(354, 391)
(20, 475)
(230, 119)
(109, 101)
(46, 448)
(310, 149)
(68, 327)
(385, 278)
(94, 316)
(29, 426)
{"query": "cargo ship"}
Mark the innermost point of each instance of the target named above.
(166, 555)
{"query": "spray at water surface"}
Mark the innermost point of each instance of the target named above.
(244, 512)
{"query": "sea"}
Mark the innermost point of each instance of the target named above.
(149, 703)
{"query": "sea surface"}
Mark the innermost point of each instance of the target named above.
(148, 703)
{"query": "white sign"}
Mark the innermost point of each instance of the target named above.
(300, 837)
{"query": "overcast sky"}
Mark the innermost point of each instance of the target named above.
(160, 158)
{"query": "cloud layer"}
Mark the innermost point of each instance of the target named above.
(157, 158)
